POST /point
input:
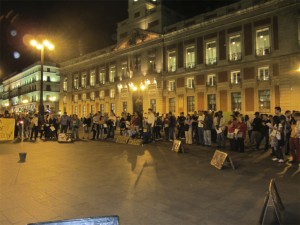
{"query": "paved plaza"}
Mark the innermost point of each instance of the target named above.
(142, 185)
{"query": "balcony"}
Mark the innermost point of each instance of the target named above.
(263, 51)
(237, 56)
(210, 84)
(190, 65)
(211, 61)
(171, 69)
(235, 82)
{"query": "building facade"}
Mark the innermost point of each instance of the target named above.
(243, 57)
(21, 92)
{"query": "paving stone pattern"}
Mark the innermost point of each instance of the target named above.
(143, 185)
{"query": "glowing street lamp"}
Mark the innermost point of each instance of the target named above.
(25, 101)
(41, 47)
(52, 99)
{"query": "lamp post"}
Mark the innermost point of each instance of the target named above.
(41, 46)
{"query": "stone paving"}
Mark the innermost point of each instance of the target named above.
(142, 185)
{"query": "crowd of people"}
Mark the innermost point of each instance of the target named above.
(279, 132)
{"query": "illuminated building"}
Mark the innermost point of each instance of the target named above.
(243, 57)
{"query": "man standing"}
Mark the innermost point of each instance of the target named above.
(256, 124)
(64, 123)
(195, 127)
(265, 125)
(151, 121)
(200, 127)
(207, 129)
(95, 126)
(172, 125)
(181, 120)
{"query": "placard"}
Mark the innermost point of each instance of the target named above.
(7, 129)
(220, 159)
(177, 146)
(272, 200)
(108, 220)
(122, 139)
(135, 141)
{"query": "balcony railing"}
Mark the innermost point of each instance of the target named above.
(263, 51)
(235, 56)
(211, 84)
(211, 61)
(190, 65)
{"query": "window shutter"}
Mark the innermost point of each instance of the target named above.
(200, 98)
(222, 77)
(275, 32)
(248, 39)
(223, 100)
(275, 69)
(200, 79)
(249, 99)
(222, 45)
(106, 93)
(200, 50)
(180, 82)
(249, 74)
(180, 54)
(277, 95)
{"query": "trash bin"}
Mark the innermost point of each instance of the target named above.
(22, 156)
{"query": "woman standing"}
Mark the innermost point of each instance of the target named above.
(75, 122)
(188, 129)
(232, 125)
(241, 135)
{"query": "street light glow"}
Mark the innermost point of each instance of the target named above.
(25, 101)
(33, 42)
(45, 43)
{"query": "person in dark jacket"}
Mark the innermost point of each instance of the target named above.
(207, 126)
(265, 126)
(256, 128)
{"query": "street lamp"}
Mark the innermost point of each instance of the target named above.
(41, 46)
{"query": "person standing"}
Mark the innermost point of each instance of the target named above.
(181, 119)
(256, 129)
(188, 129)
(151, 122)
(195, 127)
(220, 129)
(111, 123)
(172, 125)
(35, 127)
(295, 139)
(87, 121)
(231, 127)
(200, 127)
(241, 135)
(95, 126)
(277, 135)
(75, 123)
(266, 123)
(288, 131)
(208, 121)
(166, 126)
(64, 123)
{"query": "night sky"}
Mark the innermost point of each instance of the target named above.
(75, 27)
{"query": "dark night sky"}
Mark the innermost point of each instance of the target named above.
(75, 27)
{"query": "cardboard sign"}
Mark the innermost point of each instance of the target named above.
(272, 200)
(135, 141)
(122, 139)
(7, 129)
(220, 159)
(109, 220)
(177, 146)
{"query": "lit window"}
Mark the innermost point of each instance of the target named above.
(64, 99)
(263, 73)
(211, 102)
(83, 110)
(112, 74)
(190, 103)
(235, 48)
(263, 42)
(83, 97)
(124, 69)
(171, 86)
(102, 76)
(83, 81)
(75, 98)
(190, 57)
(65, 84)
(172, 61)
(75, 110)
(264, 100)
(92, 109)
(190, 82)
(112, 107)
(172, 104)
(93, 78)
(76, 83)
(211, 80)
(112, 93)
(101, 94)
(235, 77)
(211, 53)
(152, 65)
(92, 96)
(236, 101)
(153, 104)
(102, 108)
